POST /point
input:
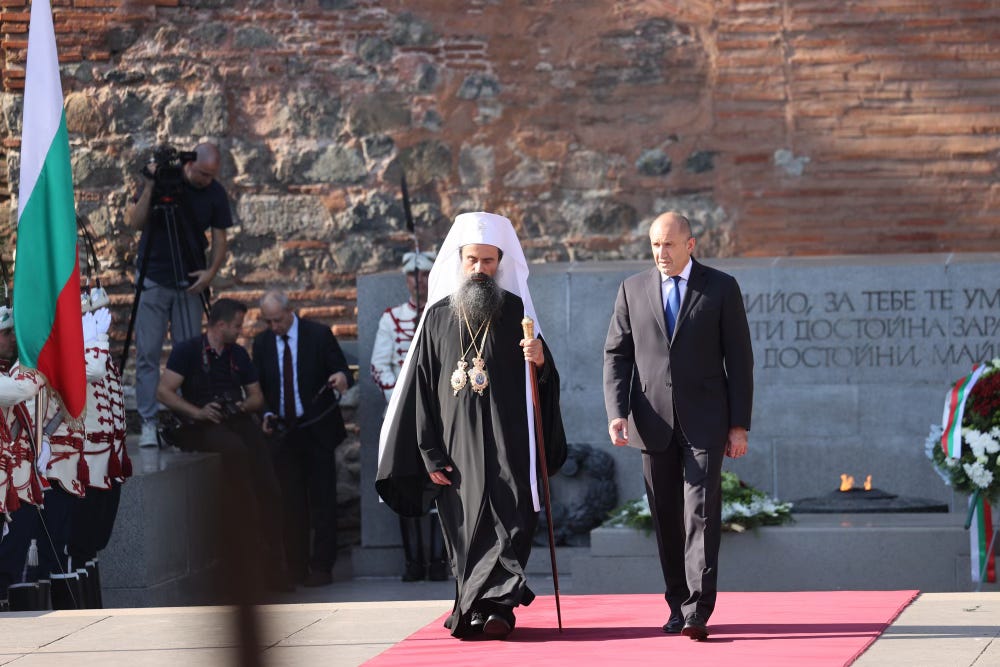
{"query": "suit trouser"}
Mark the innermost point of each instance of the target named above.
(159, 307)
(684, 488)
(307, 472)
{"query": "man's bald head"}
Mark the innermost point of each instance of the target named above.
(276, 312)
(202, 171)
(671, 221)
(672, 243)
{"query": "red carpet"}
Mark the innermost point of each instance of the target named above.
(747, 629)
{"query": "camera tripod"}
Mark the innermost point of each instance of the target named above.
(163, 217)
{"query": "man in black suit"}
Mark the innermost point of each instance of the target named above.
(678, 379)
(302, 372)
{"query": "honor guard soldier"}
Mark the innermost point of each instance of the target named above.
(20, 487)
(392, 341)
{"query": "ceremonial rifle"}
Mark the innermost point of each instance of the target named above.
(528, 327)
(412, 226)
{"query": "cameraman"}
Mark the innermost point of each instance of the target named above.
(175, 273)
(219, 392)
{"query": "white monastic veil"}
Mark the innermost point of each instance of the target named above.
(444, 279)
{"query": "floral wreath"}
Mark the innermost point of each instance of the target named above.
(743, 507)
(976, 469)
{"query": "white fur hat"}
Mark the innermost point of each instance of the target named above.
(99, 298)
(422, 261)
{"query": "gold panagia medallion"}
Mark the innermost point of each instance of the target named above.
(458, 376)
(478, 378)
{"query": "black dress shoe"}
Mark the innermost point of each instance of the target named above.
(497, 626)
(477, 621)
(674, 625)
(694, 628)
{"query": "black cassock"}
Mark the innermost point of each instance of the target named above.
(487, 514)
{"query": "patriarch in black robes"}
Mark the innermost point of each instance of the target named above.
(459, 430)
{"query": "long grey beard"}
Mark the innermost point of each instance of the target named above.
(479, 300)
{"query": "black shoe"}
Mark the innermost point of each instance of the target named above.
(414, 571)
(694, 628)
(317, 578)
(674, 625)
(497, 626)
(438, 570)
(477, 621)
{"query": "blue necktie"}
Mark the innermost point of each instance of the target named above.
(673, 305)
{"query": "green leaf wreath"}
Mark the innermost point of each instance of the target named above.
(743, 507)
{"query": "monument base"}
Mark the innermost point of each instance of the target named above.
(161, 550)
(818, 552)
(388, 561)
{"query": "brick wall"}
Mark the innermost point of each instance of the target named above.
(783, 127)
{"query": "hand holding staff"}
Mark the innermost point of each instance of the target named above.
(534, 355)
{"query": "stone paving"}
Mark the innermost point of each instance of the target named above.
(353, 620)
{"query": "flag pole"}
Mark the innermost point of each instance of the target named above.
(40, 397)
(528, 327)
(412, 226)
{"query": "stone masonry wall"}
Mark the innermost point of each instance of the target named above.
(782, 127)
(789, 127)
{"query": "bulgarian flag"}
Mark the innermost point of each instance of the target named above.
(46, 273)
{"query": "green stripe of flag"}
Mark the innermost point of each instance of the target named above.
(46, 250)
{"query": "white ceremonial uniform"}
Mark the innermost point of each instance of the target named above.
(19, 480)
(100, 424)
(68, 465)
(392, 340)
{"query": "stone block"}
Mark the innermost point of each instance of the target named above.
(388, 560)
(380, 526)
(759, 467)
(809, 467)
(888, 410)
(819, 552)
(301, 216)
(848, 319)
(782, 408)
(161, 551)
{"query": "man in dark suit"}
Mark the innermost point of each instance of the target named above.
(302, 372)
(678, 386)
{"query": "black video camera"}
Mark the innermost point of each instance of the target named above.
(168, 179)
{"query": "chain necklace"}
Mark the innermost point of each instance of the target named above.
(459, 378)
(477, 376)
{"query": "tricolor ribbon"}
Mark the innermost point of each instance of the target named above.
(954, 409)
(979, 521)
(980, 539)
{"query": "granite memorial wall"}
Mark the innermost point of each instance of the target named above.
(853, 356)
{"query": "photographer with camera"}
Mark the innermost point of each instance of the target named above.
(179, 203)
(302, 373)
(219, 393)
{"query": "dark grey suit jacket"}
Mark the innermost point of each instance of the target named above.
(704, 375)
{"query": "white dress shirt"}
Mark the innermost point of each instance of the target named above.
(667, 284)
(293, 342)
